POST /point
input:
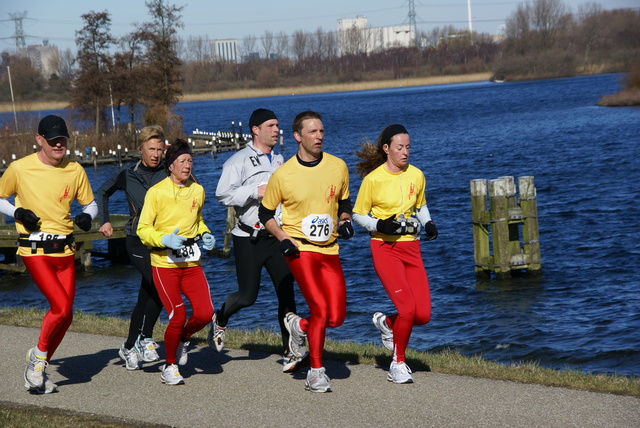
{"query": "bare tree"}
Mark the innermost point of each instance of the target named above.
(198, 49)
(164, 72)
(549, 17)
(300, 45)
(248, 46)
(66, 62)
(282, 44)
(129, 74)
(332, 45)
(267, 44)
(90, 91)
(536, 24)
(590, 26)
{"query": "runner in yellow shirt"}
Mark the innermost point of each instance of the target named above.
(171, 223)
(392, 206)
(45, 184)
(313, 190)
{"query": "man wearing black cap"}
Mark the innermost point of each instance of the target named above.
(242, 185)
(45, 184)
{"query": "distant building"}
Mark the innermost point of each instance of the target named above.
(44, 59)
(225, 50)
(355, 36)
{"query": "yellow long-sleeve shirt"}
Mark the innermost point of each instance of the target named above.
(168, 207)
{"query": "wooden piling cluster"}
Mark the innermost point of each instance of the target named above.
(508, 226)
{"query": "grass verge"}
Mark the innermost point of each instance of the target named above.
(450, 362)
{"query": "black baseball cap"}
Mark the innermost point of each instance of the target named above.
(52, 127)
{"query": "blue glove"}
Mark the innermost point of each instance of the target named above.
(208, 241)
(174, 241)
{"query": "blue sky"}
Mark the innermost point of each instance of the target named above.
(57, 21)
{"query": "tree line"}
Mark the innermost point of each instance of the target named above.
(148, 69)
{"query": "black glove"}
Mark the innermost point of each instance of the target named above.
(28, 219)
(346, 230)
(287, 248)
(83, 221)
(430, 230)
(388, 226)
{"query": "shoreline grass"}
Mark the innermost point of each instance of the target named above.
(22, 106)
(447, 361)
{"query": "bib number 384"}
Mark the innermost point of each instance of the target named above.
(186, 254)
(317, 227)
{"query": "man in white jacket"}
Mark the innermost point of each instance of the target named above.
(242, 185)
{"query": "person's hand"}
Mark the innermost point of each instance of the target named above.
(388, 226)
(83, 221)
(261, 189)
(106, 230)
(208, 241)
(430, 230)
(346, 229)
(288, 248)
(173, 240)
(28, 219)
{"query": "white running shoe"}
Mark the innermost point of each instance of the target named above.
(130, 356)
(399, 373)
(292, 363)
(34, 377)
(380, 321)
(215, 338)
(171, 375)
(147, 349)
(296, 336)
(317, 381)
(49, 386)
(182, 356)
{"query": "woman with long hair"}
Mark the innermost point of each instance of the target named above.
(392, 206)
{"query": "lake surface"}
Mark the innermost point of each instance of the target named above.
(581, 313)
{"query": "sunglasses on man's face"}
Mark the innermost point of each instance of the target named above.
(60, 140)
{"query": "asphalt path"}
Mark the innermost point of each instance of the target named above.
(239, 388)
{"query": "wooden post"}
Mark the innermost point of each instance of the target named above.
(515, 215)
(230, 224)
(480, 217)
(530, 235)
(499, 209)
(502, 222)
(83, 251)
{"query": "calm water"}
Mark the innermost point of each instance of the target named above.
(582, 313)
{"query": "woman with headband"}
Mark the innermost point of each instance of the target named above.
(171, 223)
(392, 206)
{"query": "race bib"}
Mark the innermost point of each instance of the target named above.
(190, 253)
(43, 236)
(317, 227)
